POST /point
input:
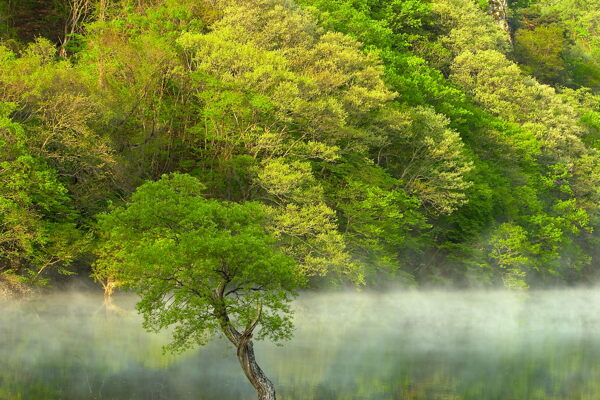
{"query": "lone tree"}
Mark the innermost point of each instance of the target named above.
(204, 267)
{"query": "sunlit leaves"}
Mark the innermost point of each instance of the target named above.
(179, 249)
(37, 220)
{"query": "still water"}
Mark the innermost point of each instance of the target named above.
(396, 345)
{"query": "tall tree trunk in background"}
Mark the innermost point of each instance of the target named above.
(102, 5)
(78, 11)
(499, 10)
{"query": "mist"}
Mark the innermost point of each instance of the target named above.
(351, 345)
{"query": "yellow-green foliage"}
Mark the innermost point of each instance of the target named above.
(376, 136)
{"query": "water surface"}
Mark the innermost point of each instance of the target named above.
(394, 345)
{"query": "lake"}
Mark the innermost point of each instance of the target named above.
(406, 345)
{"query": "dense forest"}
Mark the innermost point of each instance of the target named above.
(377, 142)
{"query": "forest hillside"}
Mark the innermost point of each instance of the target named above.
(384, 142)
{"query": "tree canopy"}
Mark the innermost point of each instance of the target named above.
(202, 265)
(413, 142)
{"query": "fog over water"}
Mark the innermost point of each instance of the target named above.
(396, 345)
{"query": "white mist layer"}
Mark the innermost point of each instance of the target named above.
(396, 345)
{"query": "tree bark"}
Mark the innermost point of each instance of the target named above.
(263, 386)
(245, 348)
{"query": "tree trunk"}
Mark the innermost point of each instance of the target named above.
(245, 348)
(264, 387)
(109, 288)
(102, 5)
(499, 10)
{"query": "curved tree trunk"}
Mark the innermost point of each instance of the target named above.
(245, 348)
(264, 387)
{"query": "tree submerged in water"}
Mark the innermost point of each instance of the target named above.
(203, 267)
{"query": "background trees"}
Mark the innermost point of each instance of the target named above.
(37, 218)
(403, 139)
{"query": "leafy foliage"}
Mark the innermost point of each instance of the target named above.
(200, 265)
(380, 139)
(37, 229)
